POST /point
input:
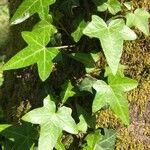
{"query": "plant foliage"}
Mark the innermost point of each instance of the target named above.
(45, 49)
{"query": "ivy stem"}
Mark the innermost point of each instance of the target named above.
(65, 46)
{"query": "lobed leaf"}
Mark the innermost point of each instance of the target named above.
(51, 122)
(113, 6)
(111, 37)
(139, 19)
(29, 7)
(36, 51)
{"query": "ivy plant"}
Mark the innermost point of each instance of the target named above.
(36, 51)
(111, 93)
(51, 123)
(104, 31)
(111, 37)
(97, 141)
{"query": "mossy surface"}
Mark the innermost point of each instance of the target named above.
(136, 58)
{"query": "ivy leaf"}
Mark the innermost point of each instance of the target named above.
(85, 118)
(36, 51)
(139, 19)
(123, 83)
(97, 141)
(23, 136)
(59, 144)
(92, 140)
(113, 6)
(51, 122)
(77, 34)
(29, 7)
(120, 71)
(67, 91)
(82, 125)
(108, 140)
(113, 95)
(89, 60)
(87, 84)
(111, 37)
(128, 5)
(4, 126)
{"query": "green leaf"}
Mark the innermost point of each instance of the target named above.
(113, 6)
(128, 5)
(4, 126)
(89, 60)
(51, 122)
(82, 125)
(92, 140)
(111, 37)
(23, 136)
(67, 91)
(29, 7)
(89, 119)
(77, 34)
(112, 96)
(108, 140)
(49, 134)
(123, 83)
(36, 51)
(59, 144)
(139, 19)
(120, 71)
(87, 84)
(97, 141)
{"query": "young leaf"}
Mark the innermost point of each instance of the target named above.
(113, 6)
(29, 7)
(66, 91)
(111, 37)
(77, 34)
(139, 19)
(36, 51)
(23, 136)
(51, 122)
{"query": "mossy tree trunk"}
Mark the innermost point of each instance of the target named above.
(18, 84)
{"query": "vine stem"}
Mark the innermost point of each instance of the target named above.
(65, 46)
